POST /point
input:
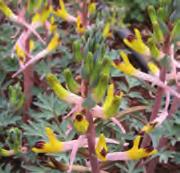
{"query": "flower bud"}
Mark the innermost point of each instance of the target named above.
(6, 153)
(88, 66)
(14, 139)
(16, 96)
(153, 48)
(72, 85)
(152, 14)
(77, 51)
(158, 34)
(53, 82)
(100, 89)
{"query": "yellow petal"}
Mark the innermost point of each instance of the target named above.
(101, 148)
(153, 68)
(106, 30)
(50, 134)
(58, 89)
(62, 6)
(136, 152)
(149, 127)
(137, 34)
(5, 9)
(92, 8)
(80, 123)
(109, 97)
(137, 44)
(53, 146)
(125, 67)
(31, 45)
(55, 41)
(62, 14)
(79, 26)
(20, 52)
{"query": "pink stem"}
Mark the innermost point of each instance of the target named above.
(119, 125)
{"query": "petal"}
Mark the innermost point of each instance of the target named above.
(138, 34)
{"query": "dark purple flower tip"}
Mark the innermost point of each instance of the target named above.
(130, 37)
(79, 117)
(103, 152)
(149, 149)
(39, 144)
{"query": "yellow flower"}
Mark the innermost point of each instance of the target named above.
(153, 68)
(125, 67)
(5, 9)
(92, 8)
(101, 148)
(43, 16)
(53, 26)
(55, 41)
(62, 13)
(111, 104)
(52, 146)
(6, 153)
(79, 26)
(106, 30)
(31, 45)
(149, 127)
(20, 52)
(80, 123)
(136, 152)
(109, 97)
(53, 82)
(136, 43)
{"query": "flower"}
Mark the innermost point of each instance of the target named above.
(136, 152)
(52, 146)
(80, 123)
(71, 83)
(148, 127)
(57, 87)
(125, 66)
(153, 68)
(106, 30)
(101, 148)
(43, 16)
(92, 8)
(156, 122)
(63, 14)
(52, 26)
(20, 52)
(6, 153)
(79, 25)
(99, 91)
(61, 92)
(55, 41)
(136, 43)
(111, 104)
(6, 10)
